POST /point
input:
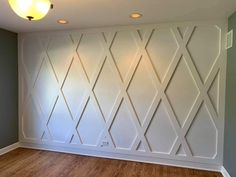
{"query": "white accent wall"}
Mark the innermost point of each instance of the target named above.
(155, 92)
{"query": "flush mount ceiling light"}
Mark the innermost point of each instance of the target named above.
(62, 21)
(31, 9)
(136, 15)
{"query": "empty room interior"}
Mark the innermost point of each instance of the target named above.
(104, 88)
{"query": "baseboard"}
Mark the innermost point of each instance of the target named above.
(224, 172)
(9, 148)
(119, 156)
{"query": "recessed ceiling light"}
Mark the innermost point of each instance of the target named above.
(62, 21)
(136, 15)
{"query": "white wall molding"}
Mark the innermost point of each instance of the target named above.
(224, 172)
(9, 148)
(151, 91)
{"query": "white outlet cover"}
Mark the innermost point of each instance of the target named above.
(229, 39)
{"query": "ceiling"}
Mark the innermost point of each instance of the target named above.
(99, 13)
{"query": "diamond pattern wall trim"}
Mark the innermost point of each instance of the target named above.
(153, 91)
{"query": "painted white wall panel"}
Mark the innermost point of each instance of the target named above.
(153, 91)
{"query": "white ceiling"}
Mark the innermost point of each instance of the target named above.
(98, 13)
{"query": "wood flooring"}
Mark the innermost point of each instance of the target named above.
(34, 163)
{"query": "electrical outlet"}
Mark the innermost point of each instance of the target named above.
(105, 143)
(229, 39)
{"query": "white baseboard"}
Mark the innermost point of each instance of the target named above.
(224, 172)
(119, 156)
(9, 148)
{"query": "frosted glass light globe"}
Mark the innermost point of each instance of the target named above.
(30, 9)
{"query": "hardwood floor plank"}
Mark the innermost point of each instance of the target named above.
(34, 163)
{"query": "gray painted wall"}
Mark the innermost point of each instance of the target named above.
(8, 88)
(230, 114)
